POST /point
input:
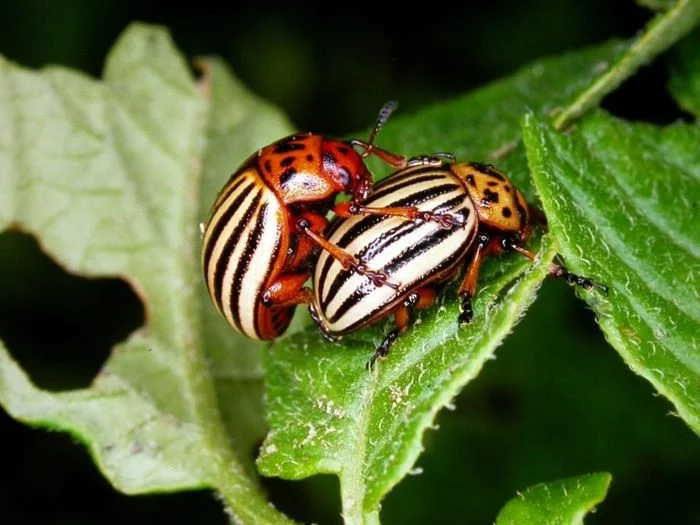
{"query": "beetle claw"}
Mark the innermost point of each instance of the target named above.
(467, 314)
(434, 160)
(445, 220)
(378, 278)
(383, 349)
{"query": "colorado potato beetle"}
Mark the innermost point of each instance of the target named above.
(268, 221)
(488, 216)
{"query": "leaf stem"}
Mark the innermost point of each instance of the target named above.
(663, 31)
(353, 479)
(243, 497)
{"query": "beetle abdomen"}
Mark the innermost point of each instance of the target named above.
(243, 249)
(412, 253)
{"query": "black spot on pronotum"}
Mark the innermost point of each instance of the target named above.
(287, 161)
(344, 150)
(268, 166)
(492, 183)
(507, 188)
(490, 196)
(286, 174)
(309, 157)
(506, 212)
(493, 173)
(481, 166)
(489, 170)
(286, 147)
(470, 180)
(522, 214)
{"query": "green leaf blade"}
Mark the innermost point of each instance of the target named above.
(611, 192)
(564, 502)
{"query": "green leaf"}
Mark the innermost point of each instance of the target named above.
(664, 30)
(658, 5)
(110, 177)
(556, 503)
(685, 73)
(621, 200)
(328, 415)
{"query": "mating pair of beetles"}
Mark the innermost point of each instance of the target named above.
(386, 251)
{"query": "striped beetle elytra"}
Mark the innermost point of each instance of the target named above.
(268, 222)
(416, 256)
(268, 219)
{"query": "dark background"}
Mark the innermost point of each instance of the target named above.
(556, 403)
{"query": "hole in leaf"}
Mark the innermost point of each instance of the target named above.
(312, 500)
(645, 97)
(48, 467)
(60, 327)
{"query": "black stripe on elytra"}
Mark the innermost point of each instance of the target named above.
(227, 190)
(252, 245)
(406, 228)
(445, 263)
(380, 190)
(451, 203)
(418, 197)
(369, 221)
(398, 262)
(223, 220)
(231, 243)
(416, 250)
(388, 238)
(323, 273)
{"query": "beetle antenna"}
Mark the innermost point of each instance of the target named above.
(384, 114)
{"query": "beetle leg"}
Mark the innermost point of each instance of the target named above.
(347, 260)
(468, 286)
(316, 318)
(435, 160)
(383, 349)
(445, 220)
(401, 161)
(288, 290)
(421, 298)
(555, 270)
(392, 159)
